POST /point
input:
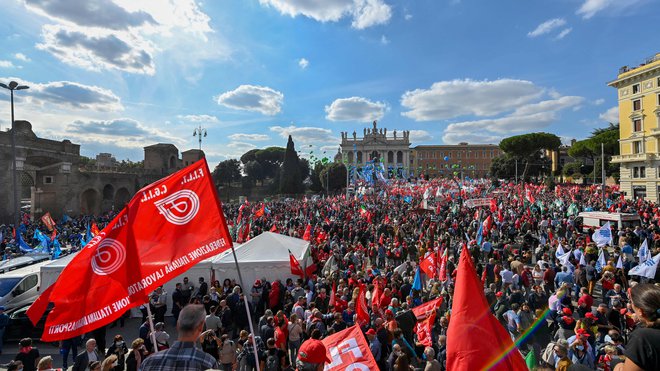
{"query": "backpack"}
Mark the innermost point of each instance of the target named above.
(272, 360)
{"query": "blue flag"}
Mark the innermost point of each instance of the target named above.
(57, 249)
(417, 282)
(480, 233)
(22, 244)
(407, 199)
(88, 234)
(65, 218)
(43, 240)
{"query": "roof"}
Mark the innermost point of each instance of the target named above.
(161, 145)
(266, 247)
(193, 151)
(451, 146)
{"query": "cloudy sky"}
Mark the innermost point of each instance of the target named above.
(116, 75)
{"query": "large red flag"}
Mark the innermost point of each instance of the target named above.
(475, 339)
(164, 230)
(428, 265)
(349, 350)
(307, 236)
(361, 310)
(423, 330)
(295, 265)
(423, 311)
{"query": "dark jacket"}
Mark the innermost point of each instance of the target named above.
(82, 361)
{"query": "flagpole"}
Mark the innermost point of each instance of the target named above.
(150, 318)
(247, 308)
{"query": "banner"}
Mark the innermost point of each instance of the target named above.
(423, 330)
(48, 221)
(165, 229)
(475, 202)
(349, 350)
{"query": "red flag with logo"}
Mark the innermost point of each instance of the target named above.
(295, 265)
(423, 311)
(166, 228)
(348, 349)
(274, 228)
(476, 340)
(428, 265)
(423, 330)
(48, 221)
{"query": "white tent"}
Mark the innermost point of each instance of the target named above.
(266, 255)
(51, 271)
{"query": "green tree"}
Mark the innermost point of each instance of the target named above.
(291, 181)
(304, 168)
(255, 171)
(250, 155)
(526, 147)
(333, 176)
(227, 171)
(271, 160)
(315, 177)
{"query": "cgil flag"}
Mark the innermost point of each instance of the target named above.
(603, 235)
(165, 229)
(643, 253)
(476, 340)
(646, 269)
(348, 350)
(560, 251)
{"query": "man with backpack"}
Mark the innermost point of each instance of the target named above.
(274, 359)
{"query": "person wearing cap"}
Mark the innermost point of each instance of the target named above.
(312, 356)
(579, 350)
(375, 346)
(4, 321)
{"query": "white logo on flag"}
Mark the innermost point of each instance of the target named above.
(180, 207)
(109, 256)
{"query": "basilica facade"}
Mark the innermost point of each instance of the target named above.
(375, 146)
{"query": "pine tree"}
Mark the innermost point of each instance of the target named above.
(290, 179)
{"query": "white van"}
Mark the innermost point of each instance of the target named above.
(20, 287)
(596, 219)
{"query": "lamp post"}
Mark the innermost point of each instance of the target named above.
(13, 85)
(199, 132)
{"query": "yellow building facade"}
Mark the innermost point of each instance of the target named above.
(638, 91)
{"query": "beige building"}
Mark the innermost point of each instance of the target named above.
(638, 90)
(473, 159)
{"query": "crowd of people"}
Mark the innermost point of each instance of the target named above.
(536, 261)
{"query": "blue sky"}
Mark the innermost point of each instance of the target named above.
(116, 75)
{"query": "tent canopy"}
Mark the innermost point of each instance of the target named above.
(264, 256)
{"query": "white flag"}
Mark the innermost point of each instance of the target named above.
(619, 263)
(646, 269)
(603, 236)
(601, 263)
(560, 251)
(643, 253)
(582, 261)
(577, 253)
(564, 260)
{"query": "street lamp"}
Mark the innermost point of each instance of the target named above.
(199, 132)
(13, 85)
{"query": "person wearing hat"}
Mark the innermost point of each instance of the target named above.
(312, 356)
(4, 321)
(376, 348)
(580, 351)
(562, 362)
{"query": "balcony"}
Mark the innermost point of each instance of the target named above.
(637, 157)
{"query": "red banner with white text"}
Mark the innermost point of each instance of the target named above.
(164, 230)
(348, 349)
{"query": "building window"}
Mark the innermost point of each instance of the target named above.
(637, 125)
(48, 180)
(637, 146)
(658, 99)
(459, 154)
(467, 154)
(635, 172)
(635, 88)
(637, 104)
(642, 171)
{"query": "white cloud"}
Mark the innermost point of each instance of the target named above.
(98, 51)
(417, 136)
(303, 63)
(7, 64)
(365, 13)
(355, 109)
(547, 27)
(564, 33)
(22, 57)
(598, 102)
(253, 98)
(199, 118)
(369, 13)
(449, 99)
(305, 134)
(384, 40)
(68, 95)
(611, 115)
(249, 137)
(530, 117)
(241, 147)
(590, 7)
(123, 132)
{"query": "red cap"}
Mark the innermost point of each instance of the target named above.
(389, 313)
(590, 315)
(499, 294)
(371, 332)
(582, 332)
(567, 311)
(313, 351)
